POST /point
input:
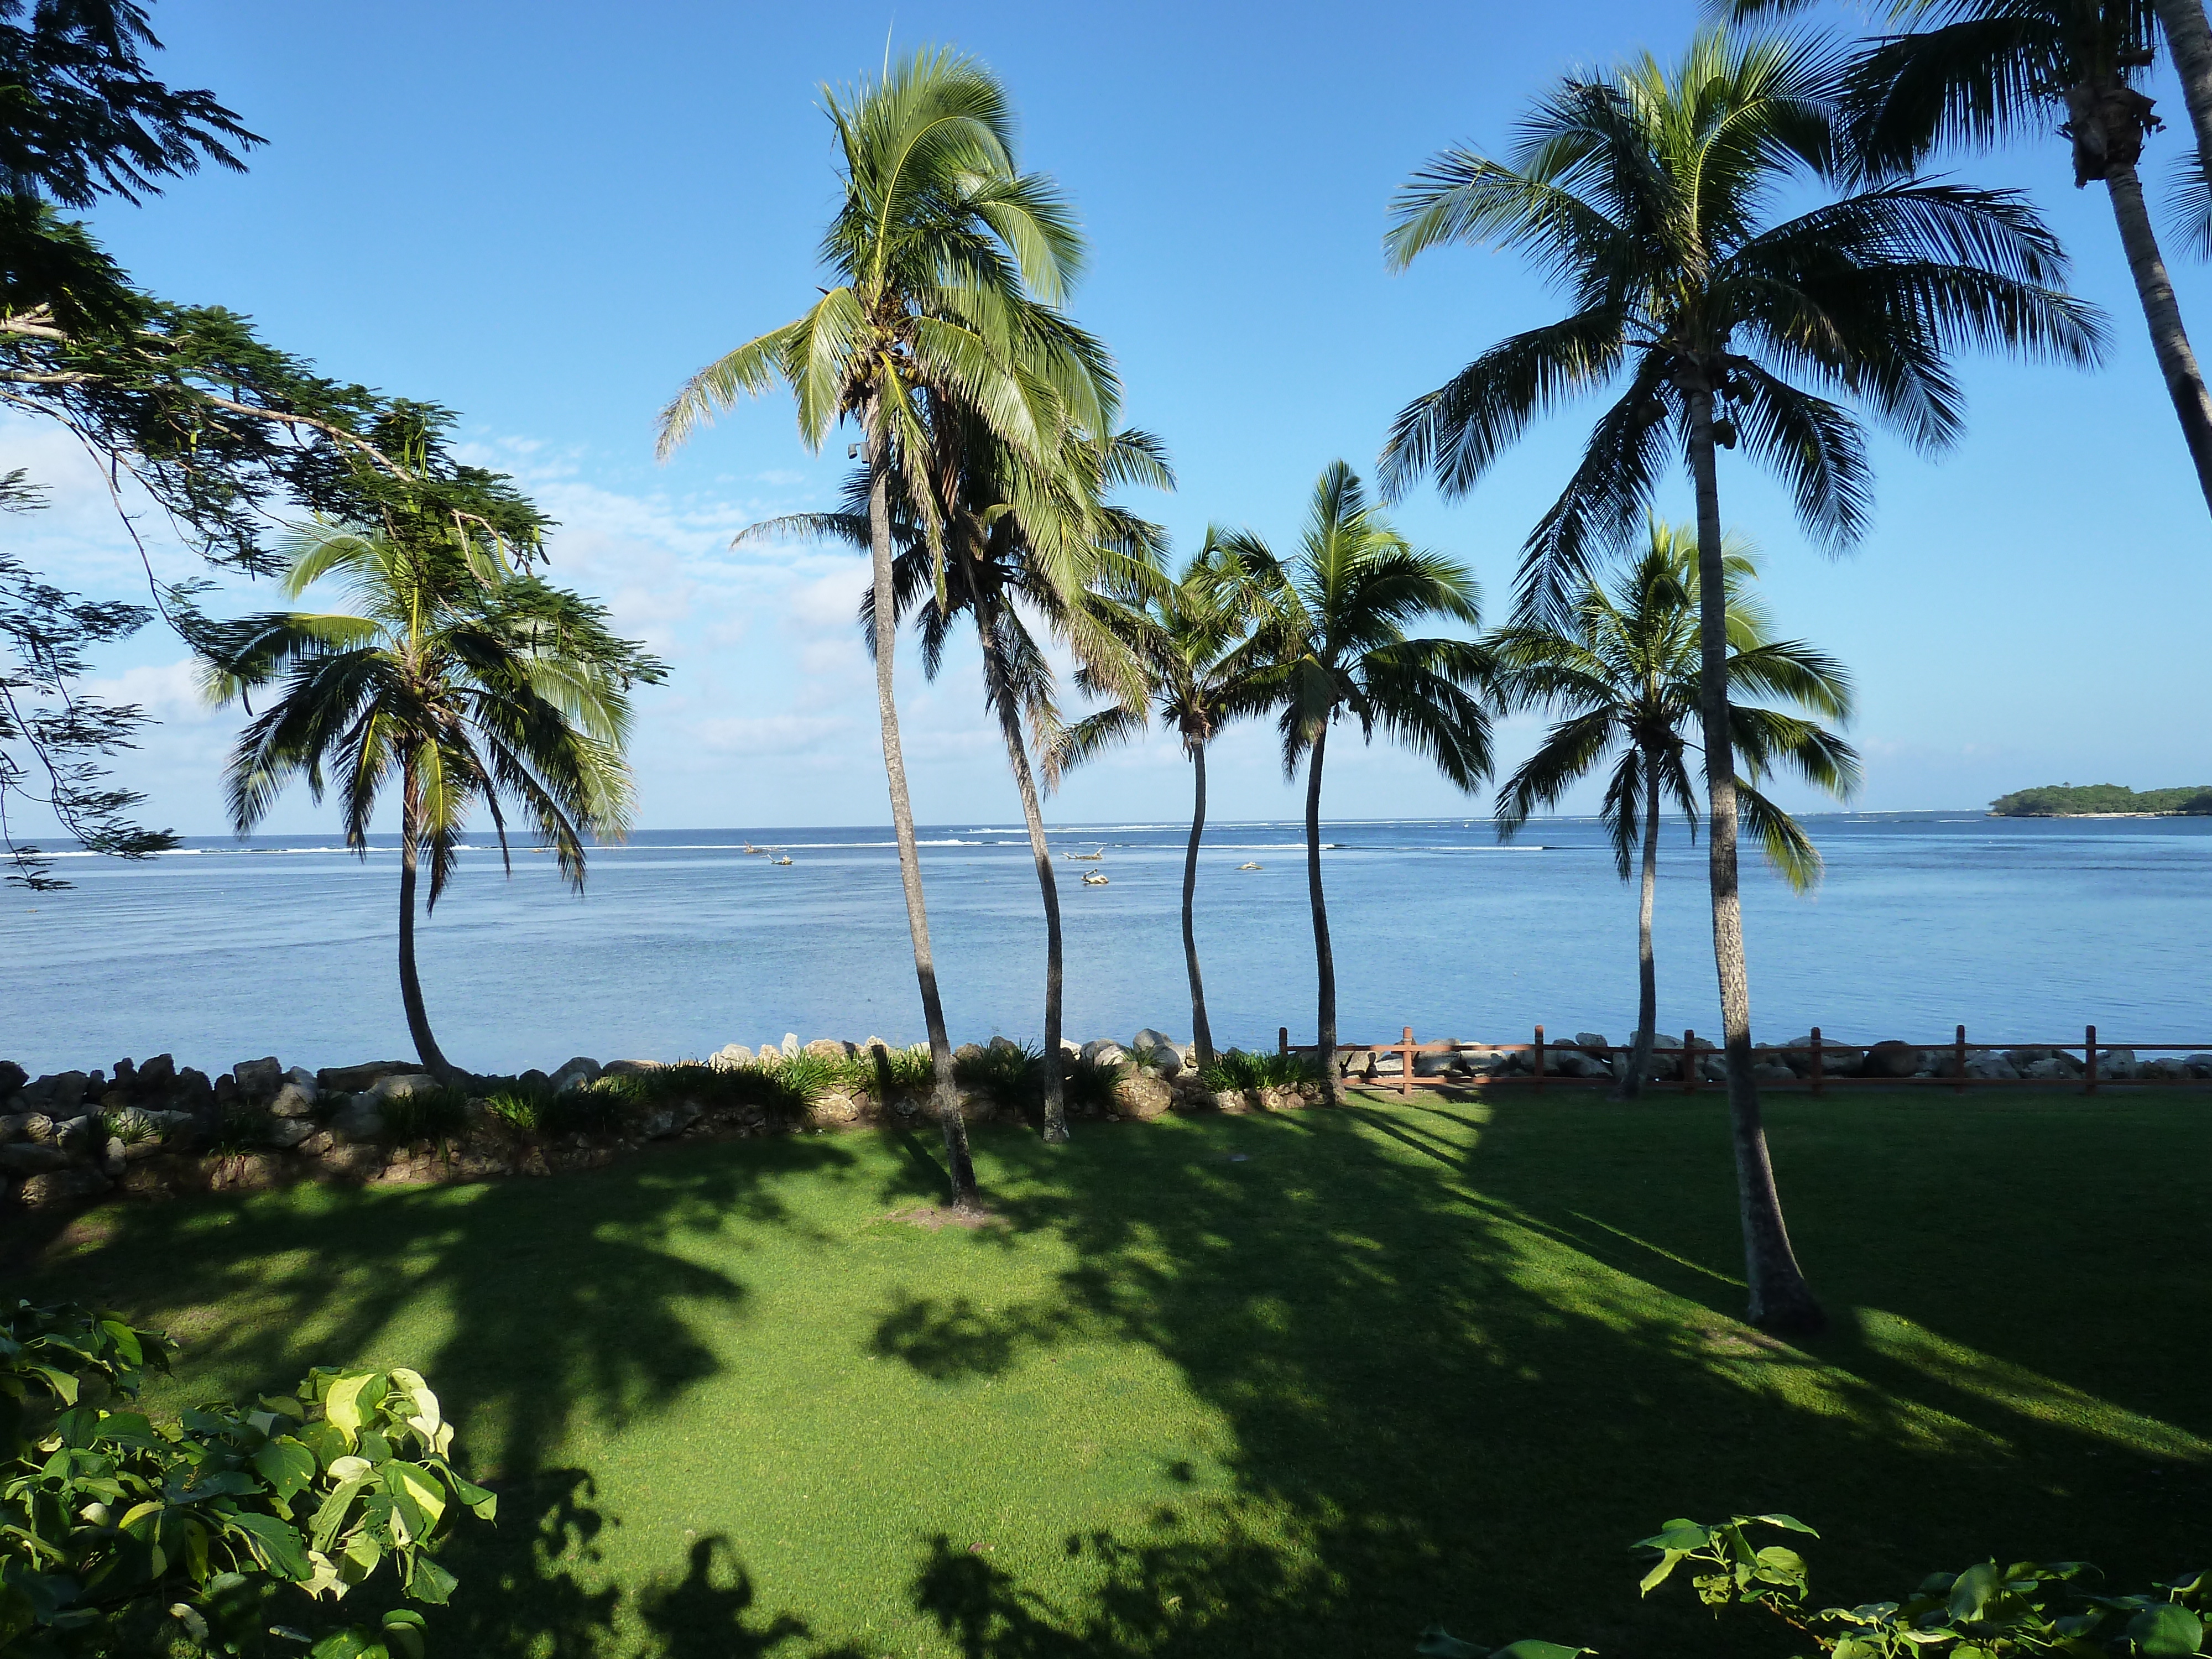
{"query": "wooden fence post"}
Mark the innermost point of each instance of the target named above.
(1540, 1058)
(1959, 1051)
(1689, 1061)
(1816, 1060)
(2089, 1058)
(1282, 1039)
(1405, 1070)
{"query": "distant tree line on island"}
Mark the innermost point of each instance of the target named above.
(2066, 800)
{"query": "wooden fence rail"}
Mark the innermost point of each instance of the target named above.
(1818, 1078)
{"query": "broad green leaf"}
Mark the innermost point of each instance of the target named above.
(2167, 1630)
(1658, 1575)
(1529, 1649)
(413, 1482)
(348, 1402)
(350, 1468)
(483, 1505)
(331, 1513)
(404, 1630)
(288, 1467)
(1685, 1535)
(1972, 1590)
(428, 1582)
(362, 1553)
(1438, 1643)
(277, 1544)
(1790, 1521)
(353, 1642)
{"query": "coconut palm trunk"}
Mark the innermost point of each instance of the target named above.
(2189, 38)
(1780, 1299)
(410, 986)
(1647, 967)
(2169, 340)
(1201, 1032)
(960, 1166)
(1010, 722)
(1324, 959)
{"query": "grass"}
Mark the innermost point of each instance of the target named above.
(1292, 1383)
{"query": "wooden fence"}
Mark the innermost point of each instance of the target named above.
(1817, 1079)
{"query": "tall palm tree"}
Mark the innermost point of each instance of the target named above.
(1625, 682)
(1016, 537)
(1203, 667)
(467, 683)
(1334, 621)
(1649, 195)
(1982, 71)
(947, 264)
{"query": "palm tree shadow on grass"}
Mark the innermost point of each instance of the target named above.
(1447, 1401)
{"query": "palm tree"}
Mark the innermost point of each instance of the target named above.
(1203, 668)
(1648, 195)
(1016, 536)
(1987, 70)
(469, 682)
(947, 262)
(1332, 621)
(1625, 680)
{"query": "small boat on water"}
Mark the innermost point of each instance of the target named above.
(1087, 857)
(1251, 866)
(1094, 878)
(757, 852)
(786, 858)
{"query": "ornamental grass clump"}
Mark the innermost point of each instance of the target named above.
(437, 1114)
(1012, 1078)
(1089, 1083)
(1239, 1072)
(242, 1129)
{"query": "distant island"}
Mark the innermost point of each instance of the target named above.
(2082, 800)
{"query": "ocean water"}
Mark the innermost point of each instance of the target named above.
(2024, 930)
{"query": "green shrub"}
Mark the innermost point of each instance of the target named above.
(121, 1535)
(519, 1108)
(899, 1071)
(242, 1128)
(129, 1128)
(1011, 1079)
(1087, 1085)
(426, 1114)
(1987, 1610)
(605, 1108)
(1238, 1073)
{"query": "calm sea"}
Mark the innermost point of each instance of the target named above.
(2023, 929)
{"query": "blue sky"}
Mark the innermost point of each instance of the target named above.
(545, 216)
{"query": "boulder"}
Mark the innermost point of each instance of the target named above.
(292, 1100)
(258, 1079)
(968, 1051)
(352, 1080)
(12, 1077)
(1104, 1051)
(2162, 1069)
(1771, 1071)
(112, 1159)
(730, 1056)
(285, 1133)
(673, 1120)
(227, 1093)
(159, 1178)
(317, 1143)
(192, 1091)
(245, 1172)
(61, 1187)
(157, 1077)
(2198, 1064)
(829, 1049)
(1436, 1064)
(833, 1110)
(25, 1157)
(95, 1084)
(1590, 1041)
(1000, 1045)
(397, 1083)
(534, 1082)
(1483, 1062)
(2054, 1065)
(1151, 1038)
(1991, 1066)
(359, 1123)
(1142, 1094)
(630, 1067)
(790, 1045)
(578, 1073)
(2117, 1064)
(1573, 1062)
(58, 1094)
(1891, 1058)
(39, 1128)
(125, 1077)
(349, 1162)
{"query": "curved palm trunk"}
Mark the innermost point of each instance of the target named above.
(410, 988)
(958, 1165)
(1010, 722)
(1780, 1298)
(1201, 1033)
(1324, 959)
(1647, 971)
(2176, 361)
(2189, 38)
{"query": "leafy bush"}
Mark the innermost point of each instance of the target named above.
(1087, 1085)
(900, 1072)
(242, 1129)
(117, 1534)
(1987, 1612)
(1011, 1079)
(1238, 1073)
(605, 1108)
(426, 1114)
(129, 1127)
(519, 1108)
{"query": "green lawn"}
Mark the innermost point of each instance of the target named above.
(1257, 1385)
